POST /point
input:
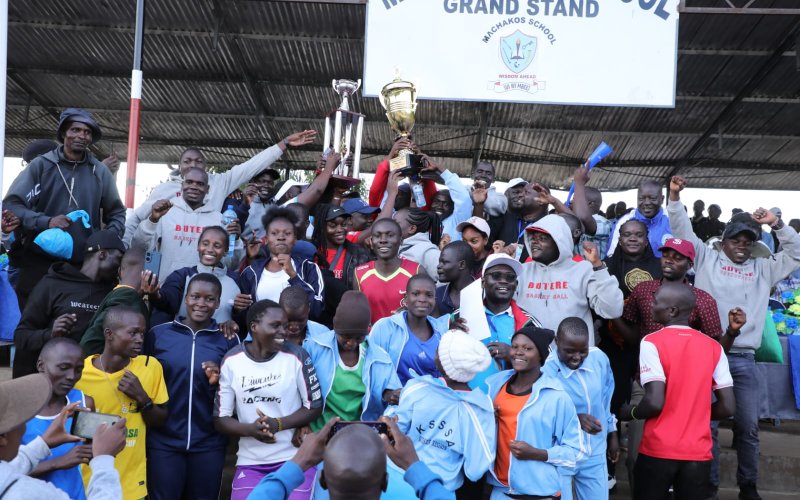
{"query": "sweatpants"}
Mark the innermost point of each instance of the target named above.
(180, 474)
(590, 480)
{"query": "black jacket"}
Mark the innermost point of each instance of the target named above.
(63, 290)
(355, 255)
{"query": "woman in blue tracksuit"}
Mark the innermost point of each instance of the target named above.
(452, 427)
(411, 337)
(186, 456)
(537, 426)
(267, 277)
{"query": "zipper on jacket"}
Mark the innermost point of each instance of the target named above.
(191, 381)
(588, 410)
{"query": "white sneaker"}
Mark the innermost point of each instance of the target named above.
(612, 482)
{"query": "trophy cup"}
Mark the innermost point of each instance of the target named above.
(340, 126)
(399, 99)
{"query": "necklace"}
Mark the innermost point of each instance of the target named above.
(124, 408)
(71, 186)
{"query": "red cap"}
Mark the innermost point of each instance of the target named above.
(683, 247)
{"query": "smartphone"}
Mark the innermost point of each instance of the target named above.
(379, 427)
(152, 262)
(85, 423)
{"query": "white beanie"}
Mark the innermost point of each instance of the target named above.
(462, 356)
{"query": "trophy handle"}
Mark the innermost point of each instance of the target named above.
(333, 84)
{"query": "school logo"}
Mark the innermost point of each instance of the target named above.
(517, 51)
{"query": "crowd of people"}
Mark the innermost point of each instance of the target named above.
(324, 334)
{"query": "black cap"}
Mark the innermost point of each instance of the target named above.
(335, 212)
(104, 240)
(734, 229)
(70, 115)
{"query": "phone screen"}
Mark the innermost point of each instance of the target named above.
(85, 423)
(378, 427)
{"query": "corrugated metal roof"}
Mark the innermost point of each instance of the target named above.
(65, 54)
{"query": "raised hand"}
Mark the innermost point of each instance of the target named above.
(764, 216)
(63, 324)
(301, 138)
(109, 439)
(591, 253)
(736, 319)
(285, 260)
(676, 185)
(160, 208)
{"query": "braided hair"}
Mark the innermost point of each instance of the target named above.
(426, 222)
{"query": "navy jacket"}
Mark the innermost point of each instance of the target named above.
(181, 352)
(309, 278)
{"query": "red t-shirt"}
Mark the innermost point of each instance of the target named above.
(692, 365)
(385, 292)
(352, 236)
(338, 269)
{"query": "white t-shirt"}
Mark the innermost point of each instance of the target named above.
(278, 387)
(270, 285)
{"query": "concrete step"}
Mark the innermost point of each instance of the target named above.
(779, 464)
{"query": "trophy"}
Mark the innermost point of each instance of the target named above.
(345, 124)
(399, 99)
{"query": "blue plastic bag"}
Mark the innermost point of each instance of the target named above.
(58, 242)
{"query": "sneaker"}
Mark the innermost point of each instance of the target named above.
(713, 493)
(612, 483)
(748, 492)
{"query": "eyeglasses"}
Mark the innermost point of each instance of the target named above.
(501, 276)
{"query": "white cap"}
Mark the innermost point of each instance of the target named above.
(515, 182)
(497, 259)
(476, 222)
(462, 356)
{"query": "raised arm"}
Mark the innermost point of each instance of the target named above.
(311, 196)
(580, 206)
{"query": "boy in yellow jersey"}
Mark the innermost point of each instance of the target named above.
(131, 386)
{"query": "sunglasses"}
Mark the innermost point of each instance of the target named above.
(501, 276)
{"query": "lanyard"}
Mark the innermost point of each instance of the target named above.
(337, 256)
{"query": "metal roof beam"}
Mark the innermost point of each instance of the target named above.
(753, 82)
(483, 134)
(733, 9)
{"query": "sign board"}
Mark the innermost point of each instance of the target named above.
(583, 52)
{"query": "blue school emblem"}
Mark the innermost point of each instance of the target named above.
(517, 51)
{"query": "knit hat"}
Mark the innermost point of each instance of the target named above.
(541, 337)
(353, 314)
(70, 115)
(462, 356)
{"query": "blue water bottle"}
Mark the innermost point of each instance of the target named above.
(228, 216)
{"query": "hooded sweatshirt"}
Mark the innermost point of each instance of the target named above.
(566, 288)
(40, 192)
(463, 439)
(744, 285)
(179, 229)
(219, 186)
(64, 290)
(420, 249)
(658, 230)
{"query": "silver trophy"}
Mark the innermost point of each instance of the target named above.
(345, 128)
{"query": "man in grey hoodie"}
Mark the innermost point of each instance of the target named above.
(735, 279)
(554, 286)
(220, 185)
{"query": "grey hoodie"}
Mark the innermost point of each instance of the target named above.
(420, 249)
(219, 187)
(566, 288)
(738, 285)
(178, 231)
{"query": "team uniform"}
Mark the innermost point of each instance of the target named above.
(385, 293)
(278, 387)
(131, 462)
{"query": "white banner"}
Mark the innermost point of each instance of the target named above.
(589, 52)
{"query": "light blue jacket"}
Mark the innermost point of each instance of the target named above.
(451, 430)
(462, 205)
(378, 374)
(548, 421)
(391, 334)
(281, 483)
(590, 388)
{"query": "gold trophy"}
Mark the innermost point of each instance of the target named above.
(343, 132)
(399, 99)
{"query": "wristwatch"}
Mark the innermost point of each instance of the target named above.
(146, 406)
(732, 333)
(601, 266)
(285, 142)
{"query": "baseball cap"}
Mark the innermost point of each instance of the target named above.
(335, 212)
(272, 173)
(515, 182)
(501, 259)
(21, 399)
(737, 228)
(481, 225)
(357, 205)
(683, 247)
(104, 240)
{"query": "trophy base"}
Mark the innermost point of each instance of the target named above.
(344, 181)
